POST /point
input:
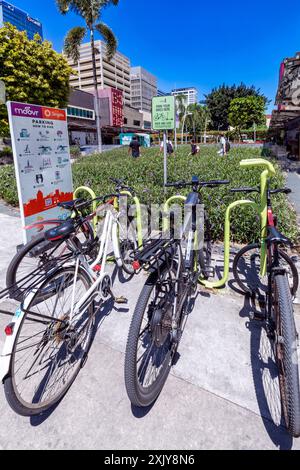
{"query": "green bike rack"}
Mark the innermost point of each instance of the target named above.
(139, 224)
(261, 209)
(93, 196)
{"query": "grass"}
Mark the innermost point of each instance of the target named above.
(145, 175)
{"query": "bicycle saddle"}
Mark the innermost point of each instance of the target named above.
(62, 231)
(276, 237)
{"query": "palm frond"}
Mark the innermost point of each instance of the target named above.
(73, 41)
(63, 6)
(109, 38)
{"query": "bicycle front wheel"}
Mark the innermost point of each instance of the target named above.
(150, 350)
(246, 271)
(49, 350)
(286, 345)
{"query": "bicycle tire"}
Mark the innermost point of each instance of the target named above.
(255, 246)
(138, 395)
(23, 406)
(12, 282)
(286, 354)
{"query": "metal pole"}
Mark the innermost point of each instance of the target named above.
(184, 118)
(254, 127)
(165, 160)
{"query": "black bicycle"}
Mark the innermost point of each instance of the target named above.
(166, 300)
(275, 293)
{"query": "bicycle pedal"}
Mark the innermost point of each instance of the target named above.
(257, 316)
(121, 300)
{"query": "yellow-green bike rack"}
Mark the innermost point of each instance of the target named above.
(261, 209)
(93, 197)
(124, 193)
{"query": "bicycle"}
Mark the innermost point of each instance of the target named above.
(165, 301)
(39, 255)
(274, 285)
(49, 337)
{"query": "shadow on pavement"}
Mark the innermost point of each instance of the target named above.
(265, 379)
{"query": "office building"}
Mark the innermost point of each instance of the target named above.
(191, 94)
(143, 89)
(20, 19)
(114, 74)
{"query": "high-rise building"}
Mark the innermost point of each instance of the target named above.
(20, 19)
(114, 74)
(161, 93)
(190, 93)
(143, 89)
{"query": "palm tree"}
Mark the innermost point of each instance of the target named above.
(90, 11)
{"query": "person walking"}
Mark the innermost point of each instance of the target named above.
(222, 150)
(194, 148)
(170, 148)
(134, 148)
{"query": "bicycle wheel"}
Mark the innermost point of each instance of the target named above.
(286, 353)
(47, 355)
(150, 349)
(39, 256)
(246, 271)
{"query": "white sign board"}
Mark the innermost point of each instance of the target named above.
(42, 162)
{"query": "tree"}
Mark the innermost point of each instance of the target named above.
(219, 100)
(244, 112)
(31, 71)
(198, 119)
(90, 11)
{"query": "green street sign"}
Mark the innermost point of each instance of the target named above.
(163, 113)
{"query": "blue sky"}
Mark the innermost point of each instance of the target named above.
(194, 43)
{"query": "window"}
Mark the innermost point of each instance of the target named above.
(125, 121)
(136, 123)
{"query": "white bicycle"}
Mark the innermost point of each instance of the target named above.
(50, 335)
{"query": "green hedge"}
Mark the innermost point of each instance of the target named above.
(146, 176)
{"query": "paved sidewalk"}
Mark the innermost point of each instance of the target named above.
(219, 395)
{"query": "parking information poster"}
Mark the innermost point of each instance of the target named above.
(42, 162)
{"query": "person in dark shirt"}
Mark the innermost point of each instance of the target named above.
(194, 148)
(134, 148)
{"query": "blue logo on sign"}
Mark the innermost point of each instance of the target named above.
(18, 313)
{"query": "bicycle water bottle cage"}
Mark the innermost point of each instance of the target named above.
(63, 231)
(276, 237)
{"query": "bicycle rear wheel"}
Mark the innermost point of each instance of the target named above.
(246, 271)
(286, 345)
(49, 353)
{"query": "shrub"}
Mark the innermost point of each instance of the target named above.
(145, 175)
(75, 152)
(6, 152)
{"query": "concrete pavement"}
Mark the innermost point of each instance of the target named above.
(222, 393)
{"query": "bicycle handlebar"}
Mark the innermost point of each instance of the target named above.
(183, 184)
(259, 162)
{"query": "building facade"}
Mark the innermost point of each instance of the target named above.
(191, 94)
(81, 118)
(114, 74)
(143, 89)
(20, 19)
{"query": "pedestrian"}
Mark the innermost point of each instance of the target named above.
(222, 150)
(134, 148)
(170, 148)
(194, 148)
